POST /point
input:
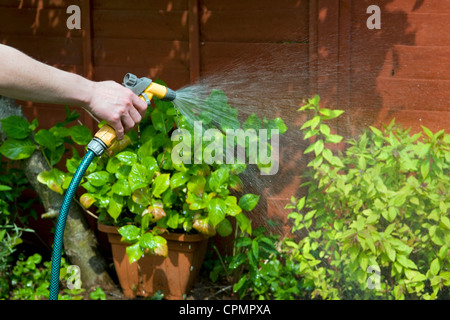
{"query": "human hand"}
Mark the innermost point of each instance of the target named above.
(118, 105)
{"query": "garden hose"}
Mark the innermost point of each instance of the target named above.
(103, 139)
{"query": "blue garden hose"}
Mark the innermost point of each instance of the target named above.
(61, 223)
(96, 147)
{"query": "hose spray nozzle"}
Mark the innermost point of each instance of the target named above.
(143, 87)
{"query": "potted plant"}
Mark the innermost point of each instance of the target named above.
(151, 205)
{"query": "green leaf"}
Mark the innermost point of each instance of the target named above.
(196, 185)
(232, 206)
(80, 134)
(318, 147)
(5, 188)
(142, 196)
(197, 202)
(244, 223)
(53, 179)
(148, 241)
(147, 149)
(151, 165)
(252, 122)
(216, 211)
(224, 228)
(330, 114)
(160, 184)
(179, 179)
(405, 262)
(121, 188)
(46, 138)
(248, 201)
(425, 168)
(311, 123)
(315, 100)
(435, 267)
(301, 203)
(389, 251)
(325, 129)
(115, 206)
(160, 120)
(333, 138)
(172, 221)
(99, 178)
(218, 180)
(87, 200)
(277, 124)
(129, 233)
(17, 149)
(137, 178)
(377, 132)
(16, 127)
(127, 157)
(134, 252)
(427, 131)
(113, 165)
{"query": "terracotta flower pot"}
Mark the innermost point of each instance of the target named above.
(174, 275)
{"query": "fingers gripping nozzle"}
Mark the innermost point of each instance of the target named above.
(146, 88)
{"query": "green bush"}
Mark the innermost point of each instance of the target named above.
(374, 223)
(29, 280)
(136, 186)
(12, 183)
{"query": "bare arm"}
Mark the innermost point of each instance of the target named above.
(24, 78)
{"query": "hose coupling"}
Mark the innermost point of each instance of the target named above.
(102, 140)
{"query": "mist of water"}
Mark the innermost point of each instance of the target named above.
(272, 85)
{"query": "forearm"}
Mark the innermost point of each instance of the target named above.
(24, 78)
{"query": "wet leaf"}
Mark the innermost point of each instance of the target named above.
(248, 201)
(204, 227)
(160, 184)
(87, 200)
(216, 211)
(99, 178)
(129, 233)
(137, 177)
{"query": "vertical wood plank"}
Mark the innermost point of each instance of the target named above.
(313, 43)
(194, 41)
(86, 35)
(344, 66)
(88, 57)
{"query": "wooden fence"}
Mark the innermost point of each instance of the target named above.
(401, 70)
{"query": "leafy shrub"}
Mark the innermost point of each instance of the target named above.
(12, 183)
(258, 269)
(29, 280)
(375, 218)
(137, 186)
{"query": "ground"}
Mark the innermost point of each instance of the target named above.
(204, 289)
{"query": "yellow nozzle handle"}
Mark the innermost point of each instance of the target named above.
(145, 88)
(156, 90)
(159, 91)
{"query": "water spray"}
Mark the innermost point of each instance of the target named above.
(146, 89)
